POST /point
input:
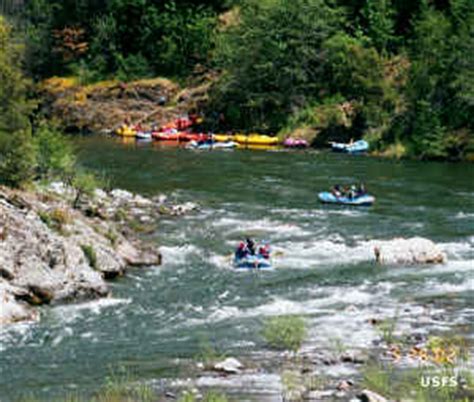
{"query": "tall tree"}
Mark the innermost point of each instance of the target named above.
(273, 60)
(17, 153)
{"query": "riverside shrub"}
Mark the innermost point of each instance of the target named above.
(285, 332)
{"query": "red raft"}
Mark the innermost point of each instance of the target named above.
(179, 136)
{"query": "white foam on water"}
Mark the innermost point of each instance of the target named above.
(458, 250)
(313, 253)
(451, 267)
(281, 306)
(177, 255)
(264, 226)
(438, 288)
(464, 215)
(65, 332)
(71, 312)
(14, 333)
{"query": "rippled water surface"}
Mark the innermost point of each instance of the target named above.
(323, 270)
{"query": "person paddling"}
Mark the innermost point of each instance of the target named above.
(264, 251)
(241, 251)
(250, 246)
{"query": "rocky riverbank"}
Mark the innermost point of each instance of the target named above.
(103, 106)
(52, 253)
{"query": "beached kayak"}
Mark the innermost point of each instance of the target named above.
(351, 148)
(211, 145)
(222, 137)
(252, 262)
(362, 200)
(167, 136)
(143, 136)
(256, 139)
(126, 131)
(179, 136)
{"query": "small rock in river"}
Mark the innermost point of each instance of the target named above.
(229, 365)
(351, 357)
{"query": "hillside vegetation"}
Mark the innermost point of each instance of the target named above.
(398, 73)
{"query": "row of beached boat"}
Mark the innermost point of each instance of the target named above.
(207, 141)
(186, 129)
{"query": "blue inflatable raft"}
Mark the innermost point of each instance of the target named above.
(361, 201)
(357, 147)
(252, 262)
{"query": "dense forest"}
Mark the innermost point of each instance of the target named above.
(398, 73)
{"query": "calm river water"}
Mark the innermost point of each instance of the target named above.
(158, 319)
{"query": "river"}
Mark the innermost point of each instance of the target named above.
(158, 319)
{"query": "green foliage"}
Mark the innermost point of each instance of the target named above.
(55, 219)
(272, 60)
(126, 38)
(17, 158)
(285, 332)
(112, 236)
(377, 378)
(380, 24)
(17, 155)
(211, 396)
(427, 132)
(91, 256)
(14, 106)
(438, 102)
(387, 329)
(383, 379)
(55, 156)
(84, 183)
(281, 63)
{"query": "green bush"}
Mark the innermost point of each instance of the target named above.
(85, 184)
(211, 396)
(55, 219)
(285, 332)
(17, 158)
(90, 255)
(55, 156)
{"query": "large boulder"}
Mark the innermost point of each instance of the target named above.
(13, 310)
(48, 265)
(416, 250)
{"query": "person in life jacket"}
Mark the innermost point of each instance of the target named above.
(264, 251)
(241, 251)
(250, 246)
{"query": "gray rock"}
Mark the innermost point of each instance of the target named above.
(370, 396)
(229, 365)
(121, 195)
(43, 258)
(319, 395)
(138, 257)
(412, 251)
(353, 357)
(345, 385)
(12, 310)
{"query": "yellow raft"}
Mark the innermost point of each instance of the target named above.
(256, 139)
(126, 131)
(223, 137)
